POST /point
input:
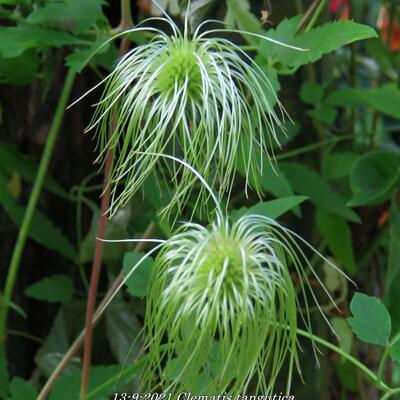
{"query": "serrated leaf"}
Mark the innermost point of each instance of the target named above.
(311, 92)
(138, 282)
(272, 209)
(15, 40)
(42, 229)
(75, 15)
(54, 289)
(371, 321)
(373, 177)
(318, 41)
(337, 234)
(21, 389)
(309, 183)
(395, 351)
(385, 99)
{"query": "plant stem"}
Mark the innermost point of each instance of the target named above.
(33, 199)
(312, 147)
(384, 358)
(126, 23)
(367, 372)
(316, 15)
(94, 280)
(97, 315)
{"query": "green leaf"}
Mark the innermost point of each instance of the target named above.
(11, 160)
(338, 165)
(115, 229)
(66, 325)
(41, 229)
(325, 113)
(105, 56)
(337, 234)
(373, 177)
(371, 320)
(272, 209)
(318, 41)
(308, 183)
(21, 70)
(385, 99)
(123, 328)
(22, 390)
(239, 14)
(345, 334)
(138, 282)
(75, 15)
(311, 92)
(68, 387)
(393, 269)
(395, 351)
(54, 289)
(4, 377)
(15, 40)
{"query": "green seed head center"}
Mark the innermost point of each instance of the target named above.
(180, 67)
(225, 258)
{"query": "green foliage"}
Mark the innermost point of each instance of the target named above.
(54, 289)
(371, 320)
(373, 177)
(42, 229)
(385, 99)
(311, 92)
(309, 183)
(15, 40)
(318, 41)
(393, 270)
(341, 152)
(67, 387)
(395, 351)
(22, 390)
(138, 282)
(336, 232)
(338, 165)
(74, 15)
(272, 209)
(4, 376)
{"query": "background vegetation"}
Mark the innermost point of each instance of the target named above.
(337, 186)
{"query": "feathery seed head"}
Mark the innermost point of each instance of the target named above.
(225, 292)
(195, 96)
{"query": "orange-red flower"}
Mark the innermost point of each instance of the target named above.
(340, 7)
(385, 25)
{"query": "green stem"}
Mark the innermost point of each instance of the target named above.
(390, 393)
(384, 358)
(316, 15)
(363, 368)
(299, 7)
(312, 147)
(34, 197)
